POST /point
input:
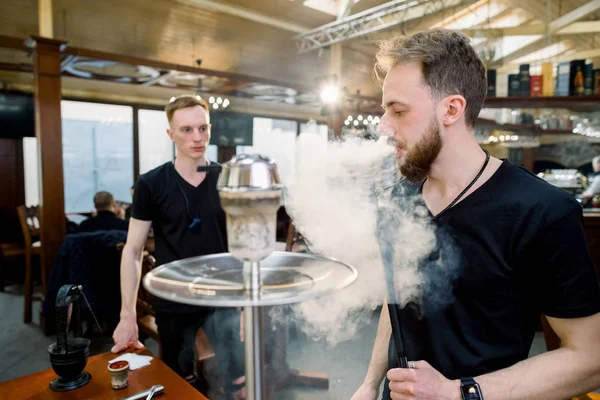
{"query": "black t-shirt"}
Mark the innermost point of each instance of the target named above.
(171, 203)
(104, 221)
(522, 252)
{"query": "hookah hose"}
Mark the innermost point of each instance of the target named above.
(385, 226)
(388, 267)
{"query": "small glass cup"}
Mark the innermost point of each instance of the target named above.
(119, 374)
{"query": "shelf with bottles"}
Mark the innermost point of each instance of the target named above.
(535, 129)
(540, 121)
(573, 103)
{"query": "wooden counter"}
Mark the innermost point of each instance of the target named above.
(36, 387)
(591, 222)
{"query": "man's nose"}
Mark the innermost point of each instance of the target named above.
(197, 135)
(384, 128)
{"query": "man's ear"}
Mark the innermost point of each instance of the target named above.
(455, 109)
(170, 134)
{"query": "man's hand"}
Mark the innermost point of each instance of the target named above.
(422, 383)
(120, 213)
(126, 334)
(365, 392)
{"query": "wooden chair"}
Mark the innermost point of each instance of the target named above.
(146, 316)
(294, 240)
(30, 225)
(9, 250)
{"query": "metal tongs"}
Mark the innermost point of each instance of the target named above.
(147, 394)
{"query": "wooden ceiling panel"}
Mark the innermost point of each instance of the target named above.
(285, 10)
(177, 33)
(18, 17)
(295, 12)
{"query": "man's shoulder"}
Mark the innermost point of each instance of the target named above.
(155, 176)
(86, 223)
(536, 196)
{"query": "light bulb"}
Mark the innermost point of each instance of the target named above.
(329, 94)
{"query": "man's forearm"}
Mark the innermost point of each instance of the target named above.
(555, 375)
(130, 280)
(379, 358)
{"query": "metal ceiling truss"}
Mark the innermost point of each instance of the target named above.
(369, 21)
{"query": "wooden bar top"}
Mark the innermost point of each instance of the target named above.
(36, 386)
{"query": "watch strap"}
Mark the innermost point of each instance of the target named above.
(467, 381)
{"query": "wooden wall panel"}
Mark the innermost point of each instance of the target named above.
(46, 61)
(12, 191)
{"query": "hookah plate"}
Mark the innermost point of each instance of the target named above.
(217, 280)
(61, 385)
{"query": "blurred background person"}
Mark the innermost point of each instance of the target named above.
(108, 215)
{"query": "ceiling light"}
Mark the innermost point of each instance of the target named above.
(329, 94)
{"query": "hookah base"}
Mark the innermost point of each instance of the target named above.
(62, 385)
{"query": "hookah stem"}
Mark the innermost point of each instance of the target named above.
(90, 308)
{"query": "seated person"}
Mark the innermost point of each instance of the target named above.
(108, 216)
(128, 208)
(594, 187)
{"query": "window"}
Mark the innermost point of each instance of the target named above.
(276, 139)
(97, 152)
(156, 147)
(31, 172)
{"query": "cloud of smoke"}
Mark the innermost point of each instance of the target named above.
(347, 201)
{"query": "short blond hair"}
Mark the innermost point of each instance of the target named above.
(185, 101)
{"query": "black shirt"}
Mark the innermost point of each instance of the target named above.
(103, 221)
(171, 203)
(521, 251)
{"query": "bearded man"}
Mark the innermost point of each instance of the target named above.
(521, 245)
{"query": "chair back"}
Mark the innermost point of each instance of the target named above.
(293, 237)
(30, 223)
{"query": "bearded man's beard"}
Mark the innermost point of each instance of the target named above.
(416, 163)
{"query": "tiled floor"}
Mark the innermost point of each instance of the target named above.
(24, 351)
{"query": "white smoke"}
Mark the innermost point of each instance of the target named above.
(334, 196)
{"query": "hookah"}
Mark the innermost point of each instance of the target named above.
(252, 275)
(68, 356)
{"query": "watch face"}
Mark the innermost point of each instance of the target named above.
(471, 392)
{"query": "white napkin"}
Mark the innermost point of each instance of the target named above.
(135, 360)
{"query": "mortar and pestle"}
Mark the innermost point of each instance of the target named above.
(69, 356)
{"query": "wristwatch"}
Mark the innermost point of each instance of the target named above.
(470, 389)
